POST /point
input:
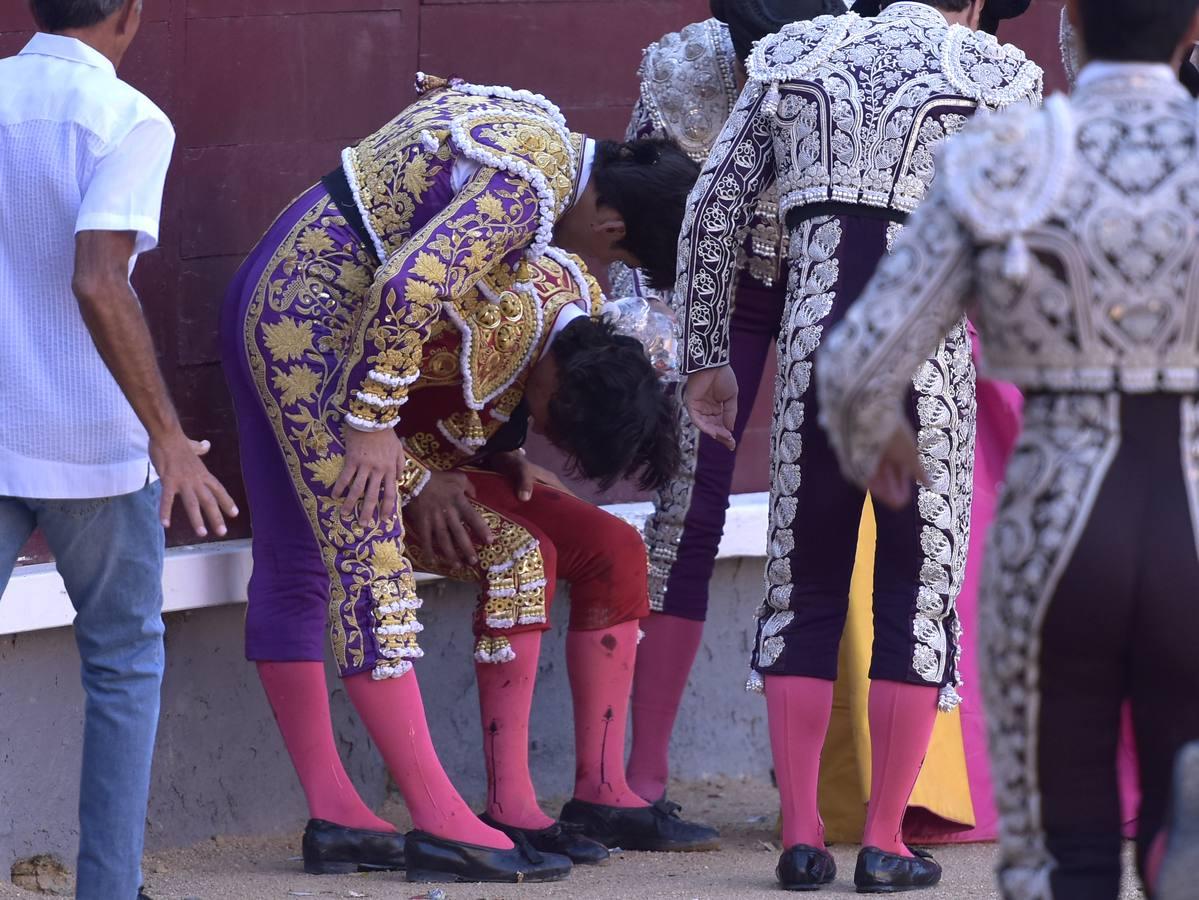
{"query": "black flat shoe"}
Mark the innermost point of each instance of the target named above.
(331, 849)
(804, 868)
(1180, 866)
(658, 827)
(889, 873)
(564, 838)
(434, 859)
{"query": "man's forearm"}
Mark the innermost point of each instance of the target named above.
(118, 328)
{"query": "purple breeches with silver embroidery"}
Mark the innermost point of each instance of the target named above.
(684, 532)
(816, 513)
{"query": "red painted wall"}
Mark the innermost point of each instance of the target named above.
(265, 93)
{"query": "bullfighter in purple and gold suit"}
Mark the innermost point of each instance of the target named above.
(402, 318)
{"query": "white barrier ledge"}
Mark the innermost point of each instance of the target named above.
(217, 574)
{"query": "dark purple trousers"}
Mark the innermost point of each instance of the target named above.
(816, 514)
(684, 532)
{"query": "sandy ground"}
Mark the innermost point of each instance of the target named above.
(268, 868)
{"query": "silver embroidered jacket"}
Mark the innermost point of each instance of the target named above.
(838, 110)
(1068, 236)
(688, 88)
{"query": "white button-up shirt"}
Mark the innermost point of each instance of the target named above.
(80, 150)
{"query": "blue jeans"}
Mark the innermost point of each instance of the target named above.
(109, 552)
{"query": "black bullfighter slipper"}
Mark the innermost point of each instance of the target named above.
(434, 859)
(658, 827)
(332, 849)
(879, 872)
(563, 838)
(805, 868)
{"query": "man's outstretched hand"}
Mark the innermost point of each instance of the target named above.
(185, 478)
(711, 398)
(898, 469)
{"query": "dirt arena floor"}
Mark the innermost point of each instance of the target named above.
(268, 868)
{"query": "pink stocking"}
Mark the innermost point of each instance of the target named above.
(600, 666)
(798, 710)
(299, 697)
(664, 660)
(394, 715)
(505, 698)
(901, 725)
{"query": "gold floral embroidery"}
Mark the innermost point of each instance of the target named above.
(288, 339)
(511, 572)
(305, 300)
(297, 383)
(439, 262)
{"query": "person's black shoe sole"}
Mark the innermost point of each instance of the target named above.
(328, 867)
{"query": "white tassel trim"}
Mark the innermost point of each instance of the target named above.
(532, 586)
(382, 672)
(466, 445)
(501, 593)
(502, 655)
(380, 402)
(755, 684)
(547, 202)
(420, 485)
(367, 425)
(429, 141)
(347, 166)
(530, 620)
(493, 622)
(949, 699)
(402, 653)
(410, 628)
(393, 381)
(399, 606)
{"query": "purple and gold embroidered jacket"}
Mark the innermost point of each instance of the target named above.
(437, 238)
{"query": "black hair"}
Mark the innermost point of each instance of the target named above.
(63, 15)
(647, 181)
(994, 11)
(1134, 30)
(1189, 76)
(610, 414)
(751, 20)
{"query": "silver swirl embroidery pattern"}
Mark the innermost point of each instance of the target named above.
(862, 103)
(1064, 452)
(714, 225)
(946, 411)
(689, 84)
(814, 271)
(664, 529)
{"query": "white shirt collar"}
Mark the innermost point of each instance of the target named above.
(1101, 70)
(566, 315)
(585, 166)
(913, 9)
(68, 48)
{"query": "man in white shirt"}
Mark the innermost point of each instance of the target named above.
(92, 451)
